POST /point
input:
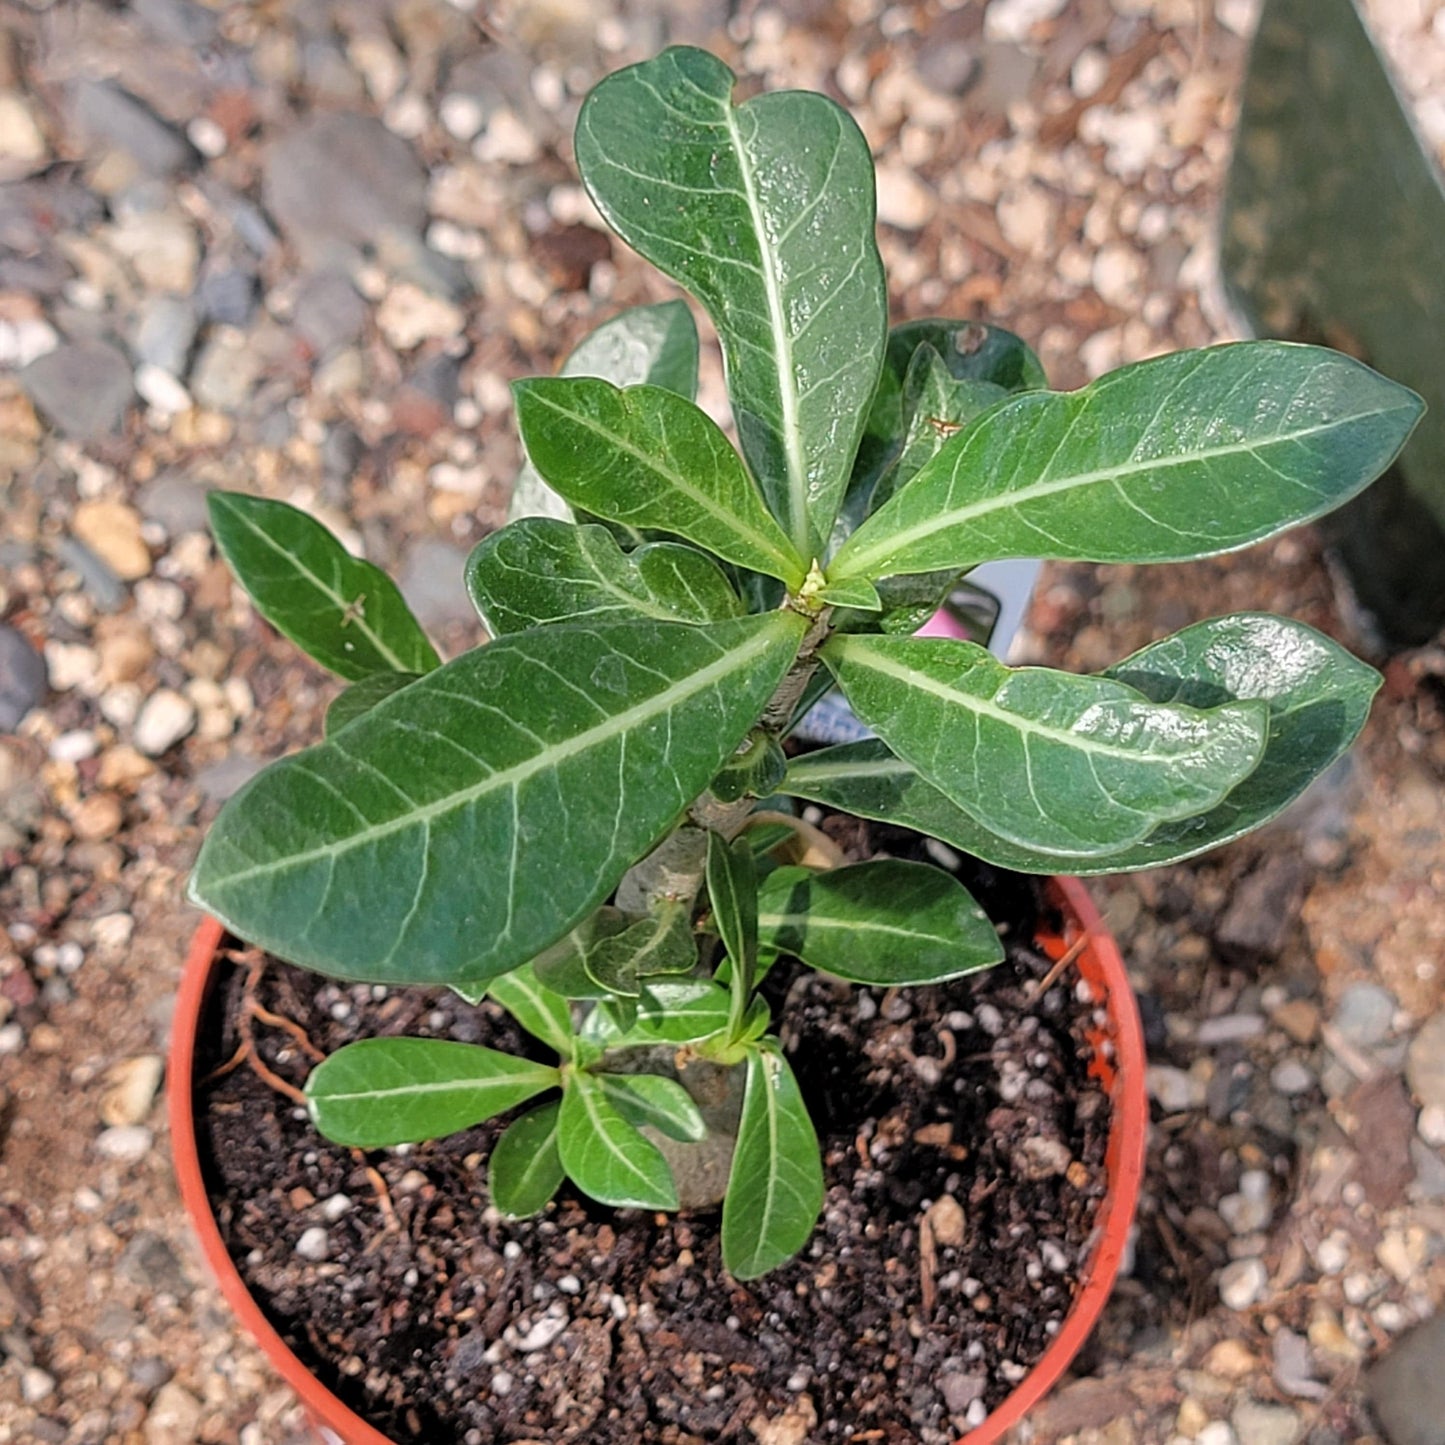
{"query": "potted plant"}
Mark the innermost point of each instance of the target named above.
(578, 826)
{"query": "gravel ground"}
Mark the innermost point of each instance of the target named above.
(301, 249)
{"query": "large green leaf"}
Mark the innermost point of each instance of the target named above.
(884, 922)
(645, 345)
(1045, 759)
(362, 696)
(525, 1169)
(646, 457)
(1318, 697)
(466, 823)
(650, 1101)
(775, 1189)
(344, 612)
(766, 213)
(544, 1014)
(539, 571)
(379, 1092)
(1182, 456)
(604, 1155)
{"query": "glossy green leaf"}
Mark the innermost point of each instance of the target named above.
(362, 696)
(649, 458)
(379, 1092)
(905, 604)
(1182, 456)
(345, 613)
(466, 823)
(775, 1189)
(604, 1155)
(1045, 759)
(525, 1169)
(538, 571)
(662, 943)
(732, 890)
(544, 1014)
(852, 592)
(643, 346)
(667, 1012)
(650, 1101)
(562, 968)
(884, 922)
(756, 768)
(765, 212)
(1318, 697)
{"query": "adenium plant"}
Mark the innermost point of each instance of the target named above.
(568, 818)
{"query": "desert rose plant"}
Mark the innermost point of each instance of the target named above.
(568, 818)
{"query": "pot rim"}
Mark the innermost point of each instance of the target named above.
(1099, 964)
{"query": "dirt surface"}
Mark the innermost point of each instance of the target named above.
(1050, 167)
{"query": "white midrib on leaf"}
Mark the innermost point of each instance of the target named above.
(852, 925)
(765, 1064)
(864, 560)
(589, 1095)
(513, 777)
(542, 1077)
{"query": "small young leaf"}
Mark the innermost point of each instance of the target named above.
(361, 697)
(604, 1155)
(755, 769)
(379, 1092)
(775, 1189)
(544, 1014)
(852, 592)
(885, 923)
(661, 943)
(345, 613)
(562, 968)
(1046, 759)
(1182, 456)
(652, 1101)
(539, 571)
(643, 346)
(525, 1169)
(646, 457)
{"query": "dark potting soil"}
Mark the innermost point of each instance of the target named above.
(963, 1144)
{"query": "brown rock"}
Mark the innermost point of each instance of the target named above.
(97, 817)
(112, 531)
(1385, 1124)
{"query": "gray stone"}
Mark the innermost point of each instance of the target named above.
(165, 333)
(1425, 1063)
(115, 119)
(177, 21)
(432, 581)
(177, 501)
(947, 67)
(342, 182)
(1256, 1424)
(1407, 1387)
(149, 1260)
(1429, 1183)
(228, 296)
(82, 387)
(1264, 907)
(22, 678)
(225, 373)
(104, 588)
(330, 313)
(1365, 1014)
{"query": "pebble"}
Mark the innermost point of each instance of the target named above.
(165, 333)
(22, 142)
(330, 312)
(97, 817)
(1403, 1252)
(1027, 218)
(1217, 1432)
(1364, 1015)
(1118, 275)
(36, 1385)
(1249, 1210)
(507, 141)
(22, 678)
(408, 316)
(175, 1416)
(116, 120)
(130, 1090)
(1407, 1387)
(1290, 1078)
(82, 387)
(228, 296)
(946, 1218)
(226, 371)
(1257, 1424)
(125, 1143)
(541, 1334)
(1299, 1018)
(12, 1039)
(1432, 1124)
(1233, 1028)
(112, 530)
(1425, 1070)
(314, 1244)
(161, 248)
(164, 720)
(1173, 1089)
(904, 200)
(1012, 21)
(1243, 1283)
(26, 339)
(335, 1207)
(159, 389)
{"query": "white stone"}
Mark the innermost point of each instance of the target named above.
(408, 316)
(1332, 1253)
(1174, 1090)
(541, 1334)
(1432, 1124)
(1119, 275)
(1011, 21)
(1243, 1283)
(164, 720)
(904, 200)
(162, 250)
(174, 1418)
(314, 1244)
(207, 137)
(36, 1385)
(335, 1207)
(125, 1144)
(1290, 1077)
(130, 1090)
(21, 140)
(1217, 1432)
(461, 115)
(1027, 219)
(506, 141)
(1090, 71)
(12, 1039)
(26, 340)
(159, 389)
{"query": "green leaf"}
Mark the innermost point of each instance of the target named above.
(652, 1101)
(886, 923)
(525, 1169)
(646, 457)
(766, 213)
(1179, 457)
(662, 943)
(643, 346)
(1318, 697)
(905, 604)
(361, 697)
(536, 1008)
(732, 889)
(604, 1155)
(756, 768)
(562, 967)
(852, 592)
(379, 1092)
(775, 1189)
(667, 1012)
(466, 823)
(538, 571)
(343, 612)
(1045, 759)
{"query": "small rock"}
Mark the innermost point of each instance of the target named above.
(1243, 1283)
(1173, 1089)
(1263, 907)
(1407, 1387)
(1403, 1252)
(329, 313)
(161, 248)
(1192, 1417)
(174, 1418)
(126, 1144)
(948, 68)
(36, 1385)
(1118, 275)
(1432, 1124)
(1248, 1211)
(1229, 1029)
(165, 334)
(82, 387)
(117, 120)
(1027, 218)
(1425, 1066)
(1231, 1360)
(1365, 1014)
(1013, 21)
(164, 720)
(1293, 1370)
(22, 142)
(507, 141)
(1217, 1432)
(161, 391)
(335, 1207)
(541, 1334)
(1290, 1078)
(1041, 1158)
(1089, 72)
(22, 678)
(314, 1244)
(1299, 1018)
(946, 1219)
(112, 531)
(793, 1427)
(24, 339)
(904, 200)
(408, 316)
(462, 115)
(95, 819)
(130, 1089)
(149, 1260)
(1384, 1127)
(226, 371)
(1257, 1424)
(960, 1390)
(228, 296)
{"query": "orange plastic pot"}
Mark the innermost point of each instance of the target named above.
(1118, 1063)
